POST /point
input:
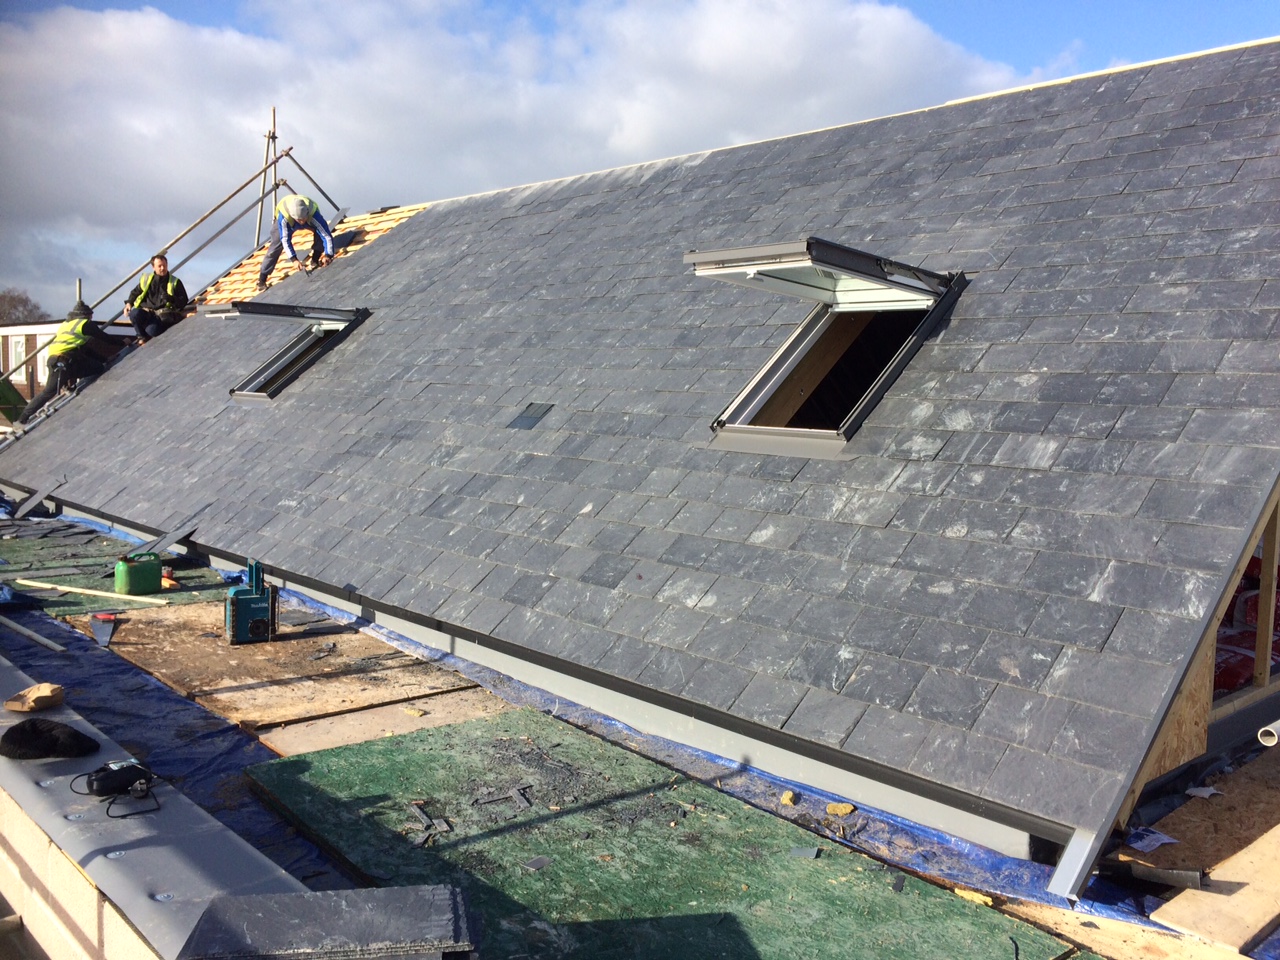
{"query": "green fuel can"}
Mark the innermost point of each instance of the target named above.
(138, 573)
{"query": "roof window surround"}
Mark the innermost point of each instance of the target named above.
(871, 317)
(322, 329)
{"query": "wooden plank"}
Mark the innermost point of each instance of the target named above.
(1240, 904)
(1266, 602)
(40, 584)
(1115, 938)
(371, 723)
(36, 498)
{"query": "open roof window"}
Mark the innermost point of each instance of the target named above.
(871, 318)
(320, 330)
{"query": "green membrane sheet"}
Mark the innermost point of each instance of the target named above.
(615, 856)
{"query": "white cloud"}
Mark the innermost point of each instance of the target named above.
(117, 128)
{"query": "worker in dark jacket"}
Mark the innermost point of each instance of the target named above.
(292, 213)
(157, 302)
(72, 356)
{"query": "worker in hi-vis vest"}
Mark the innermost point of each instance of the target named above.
(157, 302)
(72, 356)
(292, 213)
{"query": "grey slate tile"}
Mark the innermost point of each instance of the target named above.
(769, 700)
(884, 631)
(1023, 717)
(957, 758)
(626, 658)
(882, 680)
(949, 698)
(1157, 637)
(826, 619)
(948, 645)
(607, 571)
(676, 627)
(1051, 787)
(824, 717)
(1097, 737)
(1080, 623)
(825, 665)
(717, 684)
(1021, 661)
(888, 737)
(669, 670)
(1105, 680)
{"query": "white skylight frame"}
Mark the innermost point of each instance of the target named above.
(324, 328)
(849, 286)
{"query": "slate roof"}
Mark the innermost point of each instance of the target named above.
(995, 590)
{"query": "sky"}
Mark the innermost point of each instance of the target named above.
(121, 123)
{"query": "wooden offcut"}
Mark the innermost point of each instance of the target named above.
(1240, 903)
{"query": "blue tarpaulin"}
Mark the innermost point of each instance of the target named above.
(196, 751)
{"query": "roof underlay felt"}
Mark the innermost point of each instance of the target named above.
(993, 590)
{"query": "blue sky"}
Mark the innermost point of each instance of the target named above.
(121, 123)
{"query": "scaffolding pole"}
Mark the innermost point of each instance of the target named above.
(314, 184)
(222, 203)
(266, 162)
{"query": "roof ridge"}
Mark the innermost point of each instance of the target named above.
(1109, 70)
(700, 155)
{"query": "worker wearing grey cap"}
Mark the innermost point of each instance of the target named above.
(292, 213)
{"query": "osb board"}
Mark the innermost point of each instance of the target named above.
(1185, 732)
(1211, 830)
(1115, 939)
(453, 706)
(269, 683)
(1240, 903)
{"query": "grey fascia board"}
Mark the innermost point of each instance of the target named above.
(1076, 864)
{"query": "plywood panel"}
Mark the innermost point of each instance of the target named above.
(1240, 903)
(1209, 830)
(307, 672)
(1185, 734)
(1115, 939)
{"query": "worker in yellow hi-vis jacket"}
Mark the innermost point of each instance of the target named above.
(292, 213)
(72, 356)
(157, 302)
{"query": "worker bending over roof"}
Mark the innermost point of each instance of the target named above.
(292, 212)
(157, 302)
(72, 356)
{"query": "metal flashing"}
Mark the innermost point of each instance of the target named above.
(161, 870)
